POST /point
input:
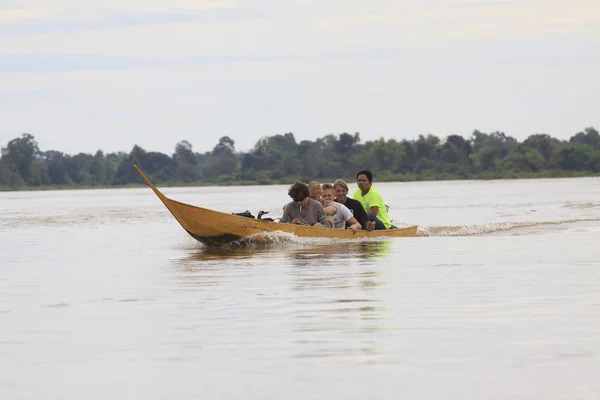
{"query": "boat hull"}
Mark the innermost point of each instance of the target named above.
(215, 228)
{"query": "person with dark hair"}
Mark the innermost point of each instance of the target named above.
(371, 200)
(303, 210)
(340, 188)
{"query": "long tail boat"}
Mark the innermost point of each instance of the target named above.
(215, 228)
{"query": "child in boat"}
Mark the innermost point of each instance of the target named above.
(342, 215)
(314, 188)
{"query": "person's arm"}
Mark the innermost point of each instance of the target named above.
(330, 210)
(322, 217)
(287, 216)
(360, 214)
(355, 225)
(373, 211)
(376, 199)
(348, 217)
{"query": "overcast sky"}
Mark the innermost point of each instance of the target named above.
(83, 75)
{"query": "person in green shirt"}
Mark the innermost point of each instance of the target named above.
(371, 200)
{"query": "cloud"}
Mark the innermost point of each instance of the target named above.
(114, 73)
(478, 3)
(231, 30)
(114, 109)
(51, 63)
(19, 15)
(78, 7)
(64, 25)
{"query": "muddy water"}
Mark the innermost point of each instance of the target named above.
(102, 295)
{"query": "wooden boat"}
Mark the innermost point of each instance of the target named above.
(214, 228)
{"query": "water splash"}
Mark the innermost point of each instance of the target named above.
(279, 238)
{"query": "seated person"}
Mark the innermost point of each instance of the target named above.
(303, 210)
(358, 212)
(343, 215)
(315, 190)
(371, 200)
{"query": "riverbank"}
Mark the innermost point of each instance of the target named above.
(547, 174)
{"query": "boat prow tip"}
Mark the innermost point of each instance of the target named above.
(150, 184)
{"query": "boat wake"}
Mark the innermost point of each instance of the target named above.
(498, 227)
(278, 239)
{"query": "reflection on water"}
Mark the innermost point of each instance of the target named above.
(340, 251)
(310, 264)
(297, 252)
(327, 290)
(344, 299)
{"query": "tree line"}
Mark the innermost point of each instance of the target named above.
(282, 159)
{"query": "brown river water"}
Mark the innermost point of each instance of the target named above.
(104, 296)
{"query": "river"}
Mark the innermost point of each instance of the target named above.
(103, 295)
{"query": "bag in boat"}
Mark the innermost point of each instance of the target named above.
(248, 214)
(245, 214)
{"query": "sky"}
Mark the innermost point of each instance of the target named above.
(83, 75)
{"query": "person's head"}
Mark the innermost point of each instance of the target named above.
(340, 189)
(328, 192)
(364, 179)
(314, 189)
(299, 193)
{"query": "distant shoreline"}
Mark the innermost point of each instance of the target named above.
(487, 176)
(281, 160)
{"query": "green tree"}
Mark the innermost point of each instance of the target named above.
(187, 168)
(19, 156)
(281, 157)
(486, 159)
(223, 160)
(56, 167)
(524, 159)
(589, 136)
(577, 157)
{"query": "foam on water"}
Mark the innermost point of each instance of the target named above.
(278, 238)
(493, 227)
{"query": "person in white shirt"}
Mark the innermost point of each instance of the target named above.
(343, 214)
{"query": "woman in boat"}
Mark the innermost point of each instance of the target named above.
(303, 210)
(343, 215)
